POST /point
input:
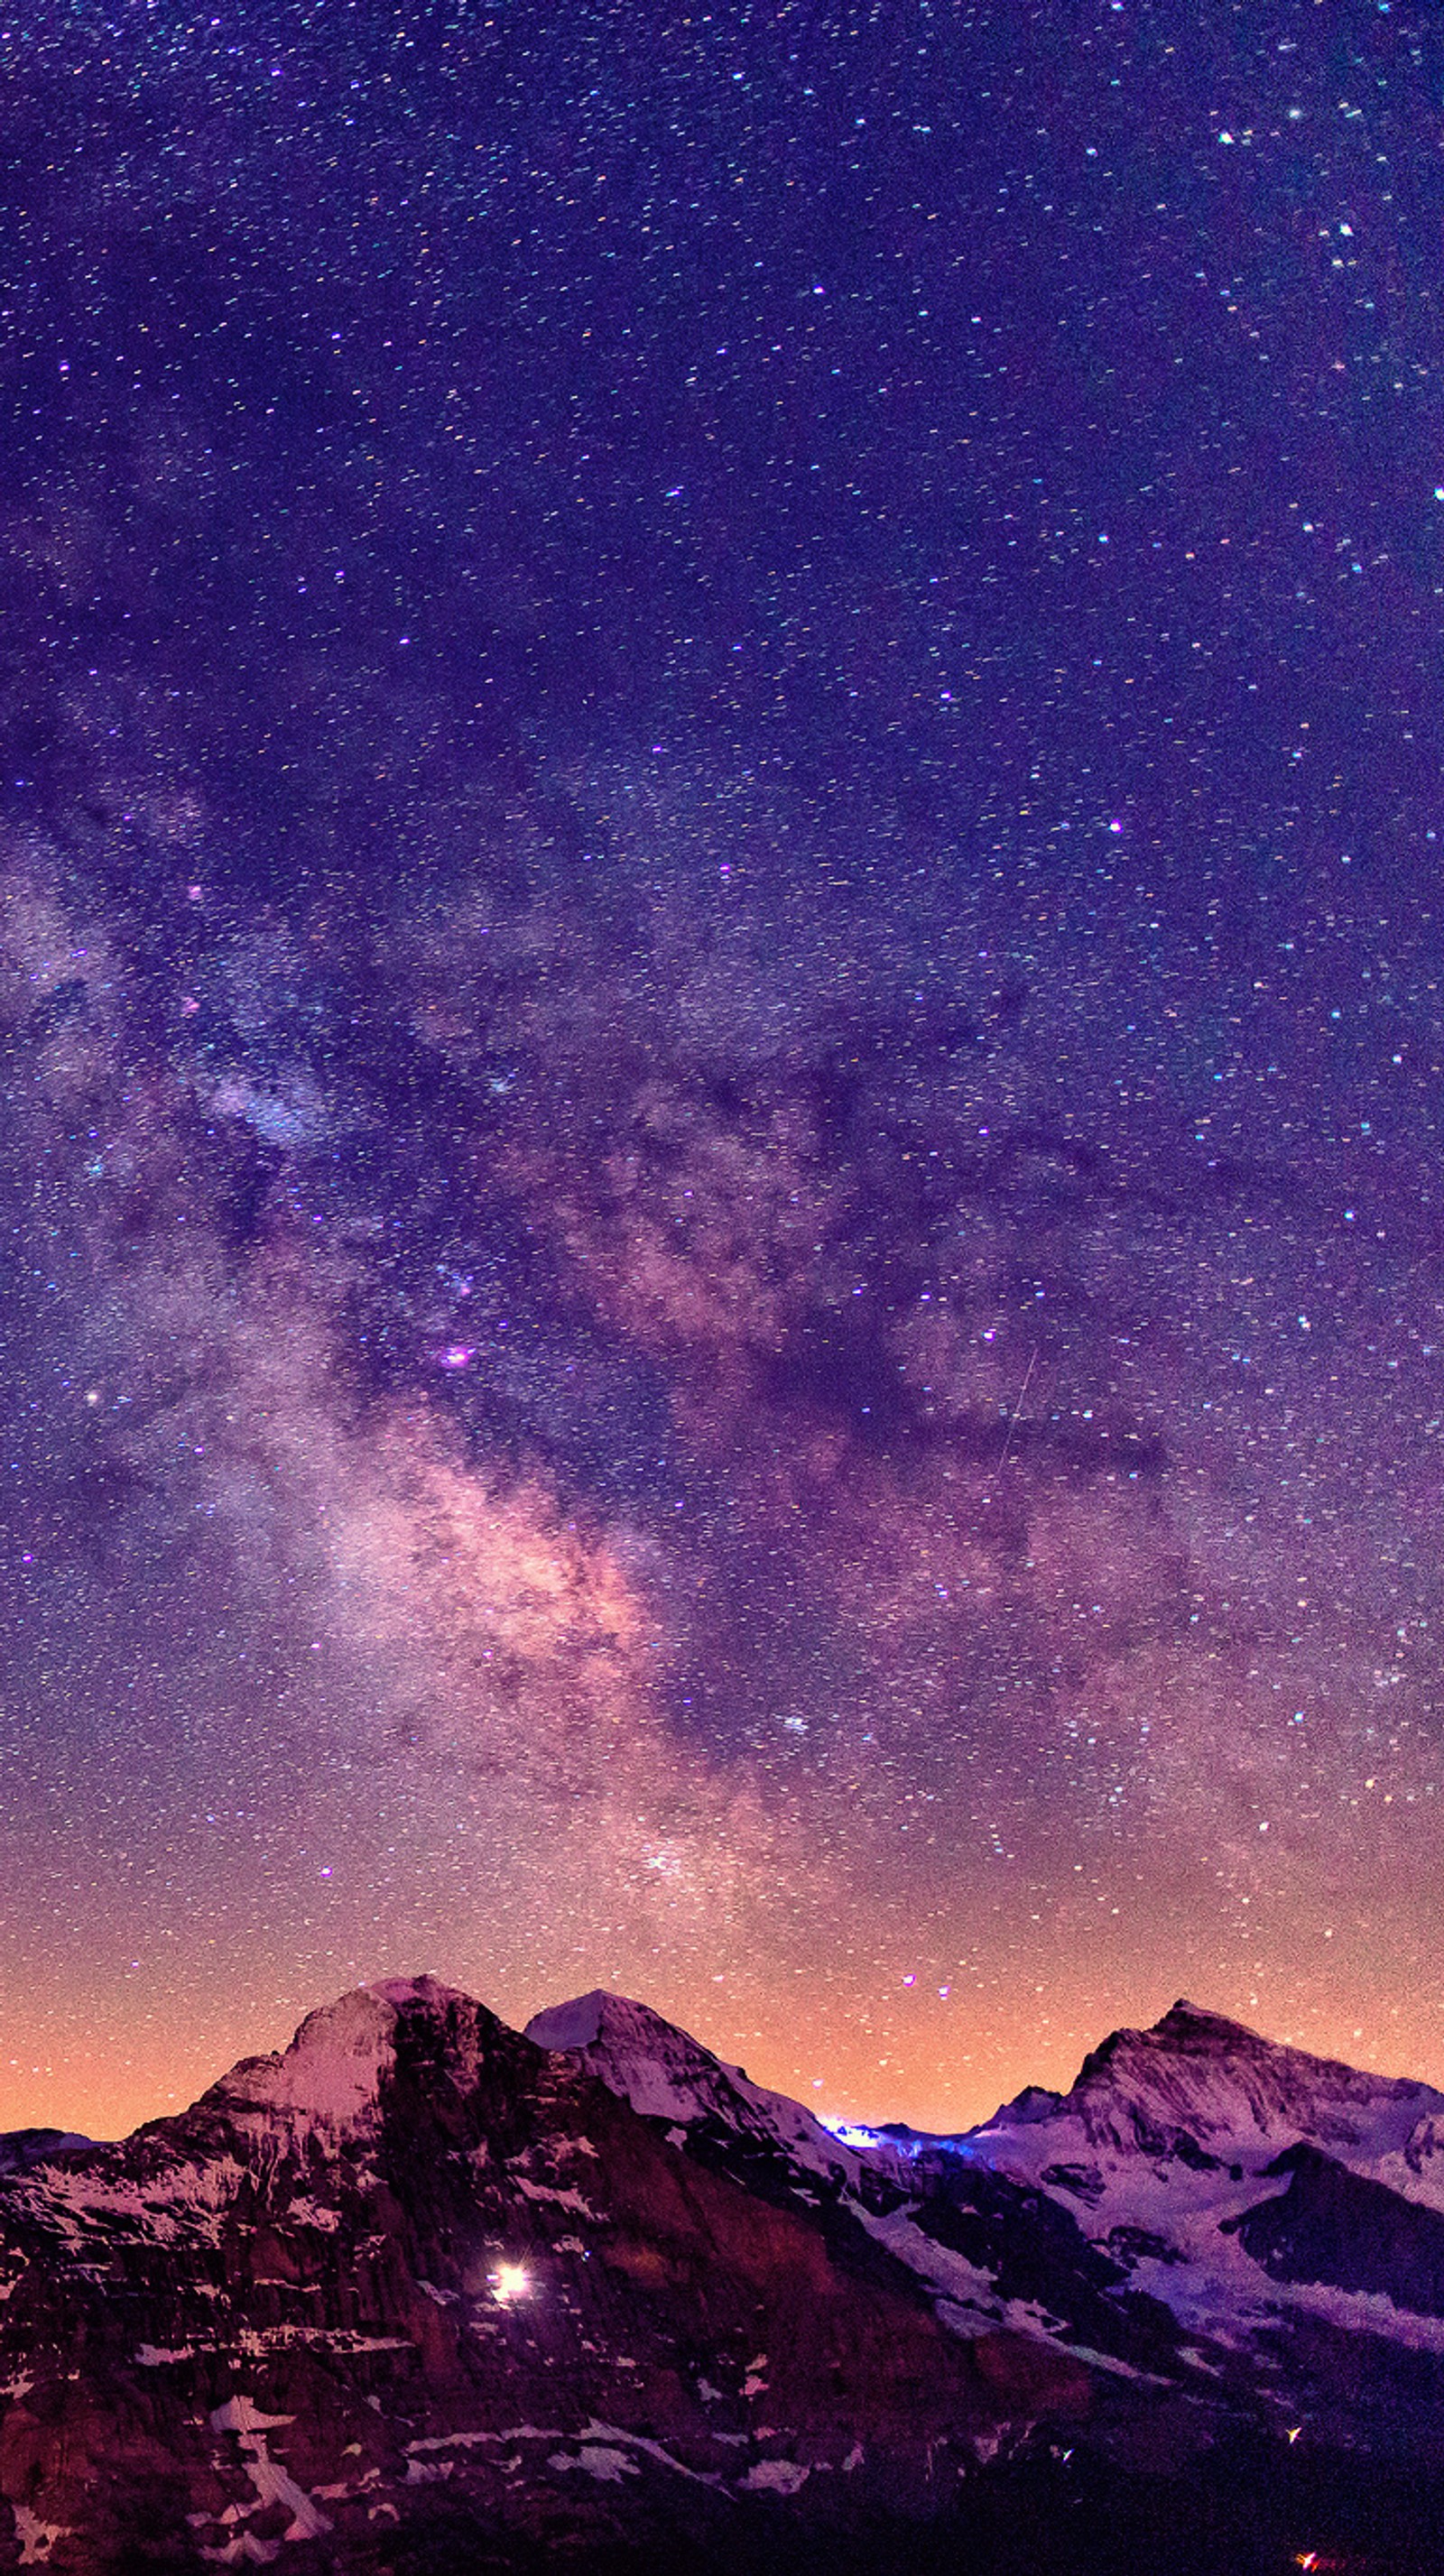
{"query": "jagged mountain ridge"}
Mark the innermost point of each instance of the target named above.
(418, 2294)
(989, 2251)
(1197, 2102)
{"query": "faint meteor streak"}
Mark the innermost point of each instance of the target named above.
(1016, 1415)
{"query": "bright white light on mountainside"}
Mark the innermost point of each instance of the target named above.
(851, 2133)
(511, 2281)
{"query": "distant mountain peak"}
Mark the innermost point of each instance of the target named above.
(1202, 2092)
(22, 2147)
(667, 2075)
(1186, 2029)
(1188, 2032)
(422, 1989)
(576, 2024)
(1185, 2020)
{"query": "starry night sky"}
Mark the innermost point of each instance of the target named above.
(723, 997)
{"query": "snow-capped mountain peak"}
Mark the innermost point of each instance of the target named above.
(1238, 2179)
(1198, 2081)
(331, 2072)
(666, 2075)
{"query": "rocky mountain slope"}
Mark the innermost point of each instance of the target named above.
(423, 2294)
(989, 2251)
(1255, 2190)
(1277, 2218)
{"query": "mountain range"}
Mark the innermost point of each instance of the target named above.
(422, 2294)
